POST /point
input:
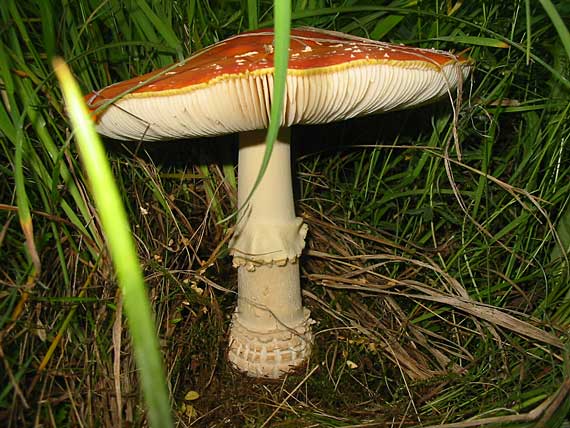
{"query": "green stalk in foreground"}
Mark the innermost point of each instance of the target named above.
(122, 249)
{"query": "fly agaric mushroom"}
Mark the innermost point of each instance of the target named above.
(227, 88)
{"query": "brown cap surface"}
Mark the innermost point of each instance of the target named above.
(228, 86)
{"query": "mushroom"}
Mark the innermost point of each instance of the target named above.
(227, 88)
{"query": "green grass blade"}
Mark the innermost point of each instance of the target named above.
(282, 12)
(474, 40)
(563, 230)
(122, 250)
(528, 30)
(48, 29)
(252, 14)
(17, 135)
(558, 23)
(24, 213)
(163, 28)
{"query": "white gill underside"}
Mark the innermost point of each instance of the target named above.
(242, 104)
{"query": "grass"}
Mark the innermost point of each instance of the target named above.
(122, 251)
(439, 278)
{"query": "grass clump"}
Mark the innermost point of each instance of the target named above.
(436, 264)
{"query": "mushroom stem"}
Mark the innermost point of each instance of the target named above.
(270, 333)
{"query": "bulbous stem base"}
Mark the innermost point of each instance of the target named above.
(270, 354)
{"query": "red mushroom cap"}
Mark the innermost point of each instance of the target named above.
(242, 66)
